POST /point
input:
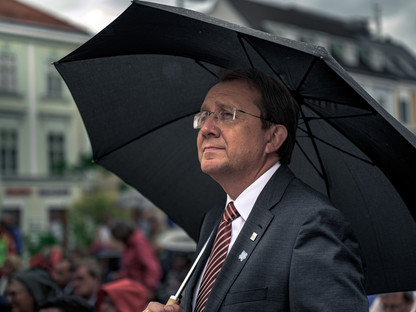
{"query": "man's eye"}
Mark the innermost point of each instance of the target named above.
(226, 115)
(204, 116)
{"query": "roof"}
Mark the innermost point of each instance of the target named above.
(16, 12)
(397, 62)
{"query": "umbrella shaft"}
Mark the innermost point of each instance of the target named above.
(176, 298)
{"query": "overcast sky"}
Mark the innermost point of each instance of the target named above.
(398, 17)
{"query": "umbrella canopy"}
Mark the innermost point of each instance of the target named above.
(139, 82)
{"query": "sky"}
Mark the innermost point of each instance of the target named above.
(397, 17)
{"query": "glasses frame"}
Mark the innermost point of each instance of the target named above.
(197, 118)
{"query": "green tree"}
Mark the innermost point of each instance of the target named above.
(88, 213)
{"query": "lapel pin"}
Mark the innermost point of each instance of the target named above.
(243, 256)
(253, 236)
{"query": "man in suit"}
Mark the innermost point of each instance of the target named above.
(290, 249)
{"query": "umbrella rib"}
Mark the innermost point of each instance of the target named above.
(335, 147)
(296, 91)
(206, 68)
(240, 38)
(309, 160)
(323, 174)
(339, 117)
(97, 159)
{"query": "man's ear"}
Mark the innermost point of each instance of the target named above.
(277, 136)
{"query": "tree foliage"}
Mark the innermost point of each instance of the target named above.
(87, 214)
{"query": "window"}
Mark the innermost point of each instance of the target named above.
(350, 54)
(337, 51)
(364, 55)
(8, 72)
(53, 82)
(404, 111)
(8, 151)
(58, 220)
(56, 153)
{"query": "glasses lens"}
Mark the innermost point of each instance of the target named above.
(198, 120)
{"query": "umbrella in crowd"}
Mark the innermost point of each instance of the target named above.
(139, 82)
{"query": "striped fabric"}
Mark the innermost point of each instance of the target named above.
(217, 256)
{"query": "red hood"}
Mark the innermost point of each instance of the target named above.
(127, 295)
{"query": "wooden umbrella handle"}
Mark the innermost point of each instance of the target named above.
(172, 301)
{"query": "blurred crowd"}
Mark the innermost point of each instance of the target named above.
(121, 271)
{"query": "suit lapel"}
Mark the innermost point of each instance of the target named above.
(257, 222)
(238, 257)
(251, 234)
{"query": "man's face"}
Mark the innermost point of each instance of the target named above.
(62, 273)
(395, 302)
(237, 149)
(84, 285)
(19, 297)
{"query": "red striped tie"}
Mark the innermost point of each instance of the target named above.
(217, 256)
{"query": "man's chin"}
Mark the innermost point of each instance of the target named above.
(210, 168)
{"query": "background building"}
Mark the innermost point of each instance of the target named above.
(41, 133)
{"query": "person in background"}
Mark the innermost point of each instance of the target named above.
(7, 245)
(27, 289)
(11, 265)
(66, 303)
(62, 275)
(123, 295)
(86, 279)
(138, 259)
(396, 301)
(11, 226)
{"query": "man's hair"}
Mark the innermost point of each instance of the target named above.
(121, 229)
(408, 296)
(277, 105)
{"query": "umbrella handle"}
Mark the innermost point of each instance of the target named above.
(172, 301)
(175, 299)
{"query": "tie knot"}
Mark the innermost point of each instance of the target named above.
(230, 213)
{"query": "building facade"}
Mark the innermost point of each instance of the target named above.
(383, 67)
(41, 132)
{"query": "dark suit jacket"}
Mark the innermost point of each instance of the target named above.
(304, 258)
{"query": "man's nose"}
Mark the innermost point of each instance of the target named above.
(210, 125)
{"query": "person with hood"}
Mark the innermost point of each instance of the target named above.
(27, 289)
(123, 295)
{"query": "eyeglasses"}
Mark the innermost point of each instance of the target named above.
(222, 115)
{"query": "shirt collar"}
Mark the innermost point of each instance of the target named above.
(245, 201)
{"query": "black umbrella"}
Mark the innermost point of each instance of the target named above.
(139, 82)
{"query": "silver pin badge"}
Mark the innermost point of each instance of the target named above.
(253, 236)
